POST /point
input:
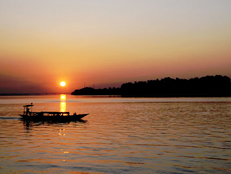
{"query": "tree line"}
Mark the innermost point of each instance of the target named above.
(208, 86)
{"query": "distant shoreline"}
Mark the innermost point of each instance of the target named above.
(208, 86)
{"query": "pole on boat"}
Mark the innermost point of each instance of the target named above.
(31, 107)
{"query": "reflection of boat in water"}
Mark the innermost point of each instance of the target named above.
(53, 117)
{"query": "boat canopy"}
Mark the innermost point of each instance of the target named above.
(28, 105)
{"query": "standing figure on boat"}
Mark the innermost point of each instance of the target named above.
(27, 111)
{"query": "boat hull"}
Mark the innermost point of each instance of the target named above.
(53, 119)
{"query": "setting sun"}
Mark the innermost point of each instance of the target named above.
(62, 83)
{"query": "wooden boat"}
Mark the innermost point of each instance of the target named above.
(28, 115)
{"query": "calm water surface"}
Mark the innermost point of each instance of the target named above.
(120, 135)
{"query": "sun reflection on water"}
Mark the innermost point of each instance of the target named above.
(148, 137)
(62, 103)
(63, 97)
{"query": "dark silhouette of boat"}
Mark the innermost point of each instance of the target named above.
(46, 116)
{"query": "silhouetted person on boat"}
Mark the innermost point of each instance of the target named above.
(28, 111)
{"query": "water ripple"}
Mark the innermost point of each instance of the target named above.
(122, 138)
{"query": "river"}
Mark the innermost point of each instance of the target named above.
(120, 135)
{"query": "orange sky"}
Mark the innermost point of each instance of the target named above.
(107, 43)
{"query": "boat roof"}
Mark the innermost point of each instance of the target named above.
(28, 105)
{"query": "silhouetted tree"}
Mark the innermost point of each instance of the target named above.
(168, 87)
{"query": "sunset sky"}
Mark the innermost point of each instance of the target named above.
(109, 42)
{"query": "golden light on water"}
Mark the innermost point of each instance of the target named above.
(63, 97)
(62, 103)
(62, 106)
